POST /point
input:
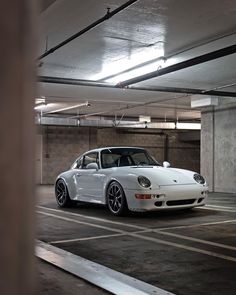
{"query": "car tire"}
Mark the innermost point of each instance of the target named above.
(62, 194)
(116, 200)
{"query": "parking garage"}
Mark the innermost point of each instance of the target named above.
(155, 75)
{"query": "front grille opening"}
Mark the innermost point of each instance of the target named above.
(180, 202)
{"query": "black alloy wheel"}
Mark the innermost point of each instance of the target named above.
(62, 195)
(116, 200)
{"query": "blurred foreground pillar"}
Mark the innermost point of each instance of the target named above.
(16, 147)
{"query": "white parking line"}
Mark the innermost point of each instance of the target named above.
(208, 207)
(94, 218)
(193, 249)
(197, 225)
(137, 235)
(97, 237)
(108, 279)
(196, 240)
(222, 207)
(81, 222)
(85, 239)
(135, 226)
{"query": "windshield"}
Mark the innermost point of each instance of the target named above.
(119, 157)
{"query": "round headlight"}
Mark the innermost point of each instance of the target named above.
(198, 178)
(144, 181)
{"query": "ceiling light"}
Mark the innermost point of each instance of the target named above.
(69, 108)
(40, 106)
(146, 119)
(192, 126)
(163, 125)
(151, 125)
(40, 100)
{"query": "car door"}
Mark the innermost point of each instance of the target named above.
(89, 182)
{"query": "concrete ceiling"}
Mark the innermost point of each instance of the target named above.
(176, 31)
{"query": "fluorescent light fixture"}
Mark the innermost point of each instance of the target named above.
(40, 103)
(192, 126)
(40, 100)
(144, 119)
(69, 108)
(152, 125)
(40, 106)
(162, 125)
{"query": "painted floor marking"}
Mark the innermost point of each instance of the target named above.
(223, 207)
(106, 278)
(85, 239)
(216, 209)
(193, 249)
(135, 226)
(155, 240)
(196, 240)
(81, 222)
(94, 218)
(146, 231)
(97, 237)
(197, 225)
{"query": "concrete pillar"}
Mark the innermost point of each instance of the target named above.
(207, 148)
(225, 149)
(218, 147)
(16, 147)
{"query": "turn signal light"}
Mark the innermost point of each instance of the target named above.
(143, 196)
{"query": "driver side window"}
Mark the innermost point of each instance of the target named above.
(90, 158)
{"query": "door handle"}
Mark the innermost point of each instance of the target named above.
(77, 174)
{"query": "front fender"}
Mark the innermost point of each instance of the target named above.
(69, 179)
(129, 181)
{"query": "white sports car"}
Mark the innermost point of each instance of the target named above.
(127, 178)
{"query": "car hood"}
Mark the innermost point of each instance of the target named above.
(164, 176)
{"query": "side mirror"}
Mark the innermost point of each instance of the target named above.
(92, 166)
(166, 164)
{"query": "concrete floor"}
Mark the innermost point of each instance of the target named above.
(185, 252)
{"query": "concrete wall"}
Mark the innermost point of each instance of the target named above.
(61, 145)
(218, 149)
(164, 147)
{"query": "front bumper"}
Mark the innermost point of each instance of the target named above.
(168, 197)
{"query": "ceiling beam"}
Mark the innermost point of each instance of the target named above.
(91, 83)
(181, 65)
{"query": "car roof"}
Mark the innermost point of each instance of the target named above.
(113, 147)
